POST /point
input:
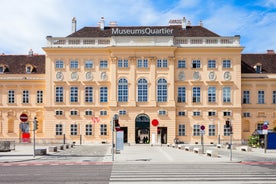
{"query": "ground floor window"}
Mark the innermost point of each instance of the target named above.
(196, 130)
(181, 130)
(103, 129)
(74, 129)
(212, 130)
(88, 129)
(226, 131)
(58, 129)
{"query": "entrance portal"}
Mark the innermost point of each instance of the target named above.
(142, 129)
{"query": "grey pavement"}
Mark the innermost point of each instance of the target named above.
(135, 154)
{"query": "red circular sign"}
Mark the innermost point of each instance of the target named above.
(154, 122)
(202, 127)
(23, 117)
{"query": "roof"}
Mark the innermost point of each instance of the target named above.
(16, 64)
(268, 62)
(191, 31)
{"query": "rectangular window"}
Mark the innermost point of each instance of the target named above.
(181, 130)
(74, 64)
(122, 63)
(226, 113)
(74, 96)
(196, 64)
(59, 64)
(162, 63)
(212, 130)
(88, 113)
(25, 96)
(181, 94)
(74, 129)
(246, 114)
(103, 113)
(211, 113)
(212, 64)
(73, 113)
(212, 94)
(59, 94)
(181, 113)
(11, 96)
(88, 64)
(103, 129)
(226, 131)
(246, 97)
(59, 113)
(1, 69)
(103, 94)
(88, 129)
(274, 97)
(103, 64)
(260, 126)
(226, 94)
(39, 96)
(196, 113)
(59, 129)
(261, 97)
(196, 94)
(89, 94)
(226, 64)
(181, 64)
(142, 63)
(162, 112)
(196, 130)
(122, 112)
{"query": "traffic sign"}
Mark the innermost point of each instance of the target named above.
(202, 127)
(23, 117)
(154, 122)
(265, 127)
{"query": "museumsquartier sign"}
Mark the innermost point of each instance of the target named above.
(142, 31)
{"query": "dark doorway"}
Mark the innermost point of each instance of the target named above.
(142, 129)
(125, 134)
(162, 135)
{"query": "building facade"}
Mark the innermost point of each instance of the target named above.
(164, 82)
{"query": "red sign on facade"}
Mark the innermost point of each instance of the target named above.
(23, 117)
(154, 122)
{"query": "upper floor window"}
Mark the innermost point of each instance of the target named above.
(162, 90)
(274, 97)
(103, 113)
(11, 98)
(39, 96)
(226, 113)
(226, 63)
(196, 64)
(181, 113)
(142, 90)
(25, 96)
(196, 113)
(59, 113)
(74, 96)
(88, 94)
(73, 113)
(74, 64)
(142, 63)
(211, 113)
(59, 64)
(162, 112)
(181, 94)
(246, 97)
(103, 64)
(258, 68)
(88, 64)
(212, 94)
(246, 114)
(212, 64)
(226, 94)
(196, 94)
(261, 97)
(181, 64)
(29, 69)
(122, 112)
(103, 94)
(122, 90)
(3, 68)
(122, 63)
(59, 94)
(162, 63)
(88, 113)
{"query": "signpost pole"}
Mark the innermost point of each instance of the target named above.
(112, 148)
(34, 142)
(265, 142)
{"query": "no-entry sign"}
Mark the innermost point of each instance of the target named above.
(24, 117)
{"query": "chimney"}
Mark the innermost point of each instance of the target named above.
(201, 23)
(270, 52)
(74, 25)
(31, 53)
(113, 24)
(188, 24)
(102, 23)
(184, 23)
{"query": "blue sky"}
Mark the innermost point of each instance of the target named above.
(24, 24)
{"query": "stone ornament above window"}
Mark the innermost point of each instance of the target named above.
(74, 76)
(196, 76)
(89, 76)
(212, 76)
(181, 76)
(59, 76)
(227, 76)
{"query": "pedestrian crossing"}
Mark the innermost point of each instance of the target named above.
(51, 163)
(192, 173)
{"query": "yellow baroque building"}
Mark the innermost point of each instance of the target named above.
(164, 82)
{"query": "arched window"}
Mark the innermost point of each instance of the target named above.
(122, 90)
(162, 91)
(142, 90)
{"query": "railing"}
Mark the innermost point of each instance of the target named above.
(179, 41)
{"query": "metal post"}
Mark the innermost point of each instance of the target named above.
(80, 139)
(230, 146)
(63, 138)
(202, 143)
(34, 141)
(265, 142)
(218, 133)
(112, 148)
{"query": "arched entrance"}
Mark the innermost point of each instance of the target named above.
(142, 129)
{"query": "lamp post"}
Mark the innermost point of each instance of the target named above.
(115, 118)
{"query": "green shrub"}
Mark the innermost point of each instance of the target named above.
(254, 141)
